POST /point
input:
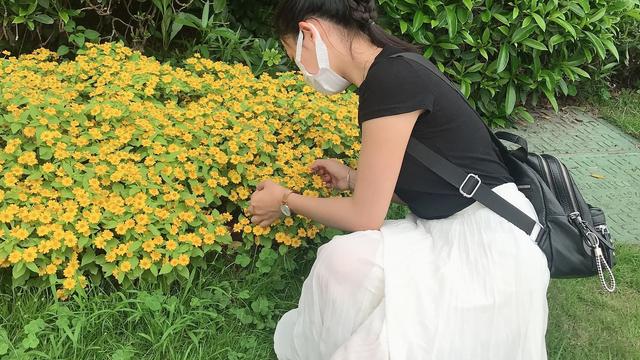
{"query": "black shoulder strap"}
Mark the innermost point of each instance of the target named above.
(469, 185)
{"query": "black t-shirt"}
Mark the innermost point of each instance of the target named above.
(448, 126)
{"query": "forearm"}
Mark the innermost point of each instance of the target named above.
(352, 181)
(335, 212)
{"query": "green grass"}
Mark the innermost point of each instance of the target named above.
(218, 314)
(203, 318)
(621, 108)
(586, 323)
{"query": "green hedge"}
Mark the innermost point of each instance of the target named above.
(506, 54)
(166, 29)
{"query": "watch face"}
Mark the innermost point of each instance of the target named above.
(285, 210)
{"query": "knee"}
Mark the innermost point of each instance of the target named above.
(350, 259)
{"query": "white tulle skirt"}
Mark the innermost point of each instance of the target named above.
(471, 286)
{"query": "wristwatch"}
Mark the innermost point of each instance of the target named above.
(284, 207)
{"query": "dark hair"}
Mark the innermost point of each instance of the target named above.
(353, 15)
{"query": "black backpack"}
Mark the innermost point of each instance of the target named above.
(572, 233)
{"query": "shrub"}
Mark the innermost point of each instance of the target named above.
(115, 165)
(164, 28)
(629, 47)
(507, 54)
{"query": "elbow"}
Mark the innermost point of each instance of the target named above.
(368, 223)
(368, 217)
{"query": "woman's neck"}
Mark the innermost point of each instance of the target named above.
(357, 63)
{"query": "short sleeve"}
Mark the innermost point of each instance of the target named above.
(394, 86)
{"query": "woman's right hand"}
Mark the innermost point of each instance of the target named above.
(333, 173)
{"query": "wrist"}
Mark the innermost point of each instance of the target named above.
(284, 203)
(351, 179)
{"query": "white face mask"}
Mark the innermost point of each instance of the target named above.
(325, 80)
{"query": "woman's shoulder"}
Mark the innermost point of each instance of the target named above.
(388, 70)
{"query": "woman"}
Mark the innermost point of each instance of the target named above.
(452, 280)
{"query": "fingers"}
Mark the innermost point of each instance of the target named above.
(265, 223)
(260, 221)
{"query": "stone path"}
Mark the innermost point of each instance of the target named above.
(603, 160)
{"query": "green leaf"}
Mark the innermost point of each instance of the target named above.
(34, 326)
(403, 26)
(526, 116)
(563, 86)
(465, 88)
(452, 21)
(166, 268)
(63, 50)
(611, 47)
(33, 267)
(555, 39)
(30, 342)
(598, 15)
(502, 19)
(484, 54)
(534, 44)
(64, 16)
(565, 25)
(418, 20)
(511, 98)
(597, 43)
(503, 57)
(448, 46)
(551, 97)
(242, 260)
(468, 4)
(44, 19)
(539, 21)
(576, 9)
(634, 13)
(18, 270)
(580, 72)
(522, 33)
(91, 34)
(219, 5)
(205, 15)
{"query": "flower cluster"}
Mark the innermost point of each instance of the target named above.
(115, 164)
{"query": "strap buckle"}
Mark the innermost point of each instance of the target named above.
(465, 182)
(538, 232)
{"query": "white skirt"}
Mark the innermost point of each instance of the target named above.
(470, 286)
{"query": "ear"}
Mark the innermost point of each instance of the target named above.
(307, 30)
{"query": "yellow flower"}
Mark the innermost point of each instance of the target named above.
(183, 260)
(171, 245)
(69, 283)
(145, 263)
(19, 233)
(30, 254)
(15, 256)
(125, 266)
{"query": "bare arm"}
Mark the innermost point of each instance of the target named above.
(384, 141)
(354, 174)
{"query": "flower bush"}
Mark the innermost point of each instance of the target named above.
(115, 165)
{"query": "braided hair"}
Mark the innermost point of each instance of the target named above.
(353, 15)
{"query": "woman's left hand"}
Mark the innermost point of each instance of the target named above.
(265, 203)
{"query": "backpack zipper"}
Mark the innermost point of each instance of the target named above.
(565, 177)
(545, 169)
